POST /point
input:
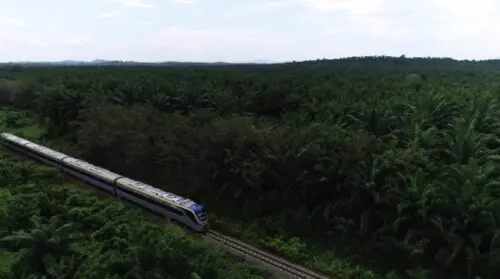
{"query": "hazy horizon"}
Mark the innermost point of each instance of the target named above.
(246, 31)
(232, 62)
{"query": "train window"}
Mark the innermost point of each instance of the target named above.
(191, 216)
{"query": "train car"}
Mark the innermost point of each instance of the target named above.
(37, 152)
(168, 205)
(161, 203)
(13, 142)
(98, 177)
(45, 155)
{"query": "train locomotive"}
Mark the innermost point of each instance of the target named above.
(163, 204)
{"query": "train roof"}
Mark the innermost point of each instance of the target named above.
(45, 150)
(196, 207)
(14, 138)
(92, 168)
(34, 146)
(160, 194)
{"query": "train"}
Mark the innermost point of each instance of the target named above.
(177, 209)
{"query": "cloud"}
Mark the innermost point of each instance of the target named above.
(439, 19)
(352, 7)
(11, 21)
(16, 39)
(466, 8)
(354, 24)
(364, 25)
(215, 44)
(133, 3)
(354, 17)
(265, 7)
(76, 41)
(184, 1)
(180, 33)
(456, 28)
(298, 29)
(109, 14)
(465, 19)
(32, 40)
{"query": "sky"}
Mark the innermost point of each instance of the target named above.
(250, 30)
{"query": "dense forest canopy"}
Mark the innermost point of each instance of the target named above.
(52, 229)
(383, 155)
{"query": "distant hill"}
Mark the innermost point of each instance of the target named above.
(128, 63)
(368, 63)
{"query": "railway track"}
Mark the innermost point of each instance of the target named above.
(279, 267)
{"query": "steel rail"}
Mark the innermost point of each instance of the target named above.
(281, 266)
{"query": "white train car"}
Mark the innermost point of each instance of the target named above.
(45, 155)
(38, 152)
(171, 206)
(161, 203)
(98, 177)
(13, 142)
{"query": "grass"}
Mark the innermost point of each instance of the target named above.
(20, 123)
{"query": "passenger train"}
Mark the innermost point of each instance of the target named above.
(166, 205)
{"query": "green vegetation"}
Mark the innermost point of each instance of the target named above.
(50, 229)
(382, 164)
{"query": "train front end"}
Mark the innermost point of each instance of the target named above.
(201, 215)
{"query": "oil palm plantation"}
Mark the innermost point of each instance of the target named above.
(45, 242)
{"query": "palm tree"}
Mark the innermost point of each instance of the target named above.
(61, 106)
(47, 238)
(157, 259)
(66, 268)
